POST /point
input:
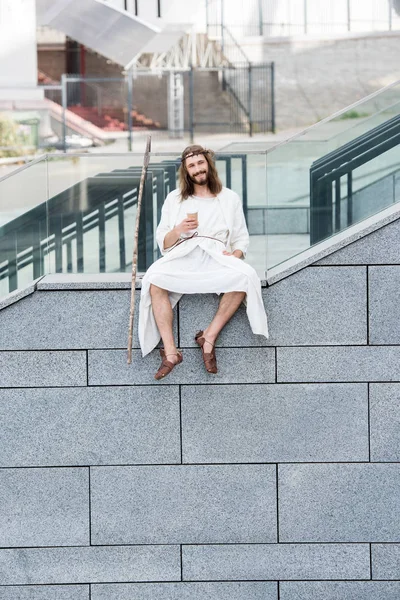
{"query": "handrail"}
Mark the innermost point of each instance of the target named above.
(31, 163)
(329, 169)
(237, 99)
(224, 29)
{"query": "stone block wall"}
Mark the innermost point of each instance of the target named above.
(277, 478)
(315, 77)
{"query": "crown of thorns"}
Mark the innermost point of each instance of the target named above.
(185, 156)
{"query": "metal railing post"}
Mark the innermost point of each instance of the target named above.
(390, 14)
(130, 108)
(250, 100)
(244, 183)
(349, 198)
(273, 97)
(64, 109)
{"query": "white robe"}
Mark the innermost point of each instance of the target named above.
(198, 265)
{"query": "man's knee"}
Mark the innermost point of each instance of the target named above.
(157, 291)
(234, 296)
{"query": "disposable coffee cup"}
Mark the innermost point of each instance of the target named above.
(192, 215)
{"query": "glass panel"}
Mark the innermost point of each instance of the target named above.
(257, 212)
(88, 223)
(23, 227)
(92, 211)
(333, 175)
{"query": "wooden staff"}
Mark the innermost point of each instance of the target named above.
(135, 246)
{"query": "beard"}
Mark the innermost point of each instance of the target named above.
(202, 181)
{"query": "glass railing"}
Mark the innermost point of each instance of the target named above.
(76, 213)
(352, 190)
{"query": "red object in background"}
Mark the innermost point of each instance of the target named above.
(112, 119)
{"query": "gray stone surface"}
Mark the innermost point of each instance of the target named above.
(187, 591)
(385, 422)
(42, 369)
(45, 592)
(277, 220)
(235, 365)
(319, 306)
(276, 561)
(89, 426)
(255, 221)
(327, 247)
(85, 565)
(314, 306)
(69, 319)
(17, 295)
(386, 561)
(339, 503)
(351, 363)
(339, 590)
(87, 281)
(44, 507)
(253, 423)
(284, 220)
(384, 309)
(183, 504)
(379, 247)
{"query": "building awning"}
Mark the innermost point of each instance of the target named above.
(114, 33)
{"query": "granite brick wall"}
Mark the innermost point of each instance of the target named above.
(278, 478)
(317, 77)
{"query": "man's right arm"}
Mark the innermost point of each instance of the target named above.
(171, 238)
(167, 237)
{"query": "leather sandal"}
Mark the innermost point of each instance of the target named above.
(166, 365)
(209, 358)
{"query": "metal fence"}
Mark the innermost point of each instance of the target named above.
(276, 18)
(237, 98)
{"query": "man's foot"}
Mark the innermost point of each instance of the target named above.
(208, 352)
(169, 361)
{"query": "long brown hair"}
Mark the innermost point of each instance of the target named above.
(186, 184)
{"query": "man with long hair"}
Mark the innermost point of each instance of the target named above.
(202, 236)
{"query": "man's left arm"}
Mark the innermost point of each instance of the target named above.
(240, 234)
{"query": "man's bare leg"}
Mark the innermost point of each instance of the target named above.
(229, 304)
(163, 315)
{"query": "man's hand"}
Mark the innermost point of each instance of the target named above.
(173, 236)
(187, 225)
(237, 253)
